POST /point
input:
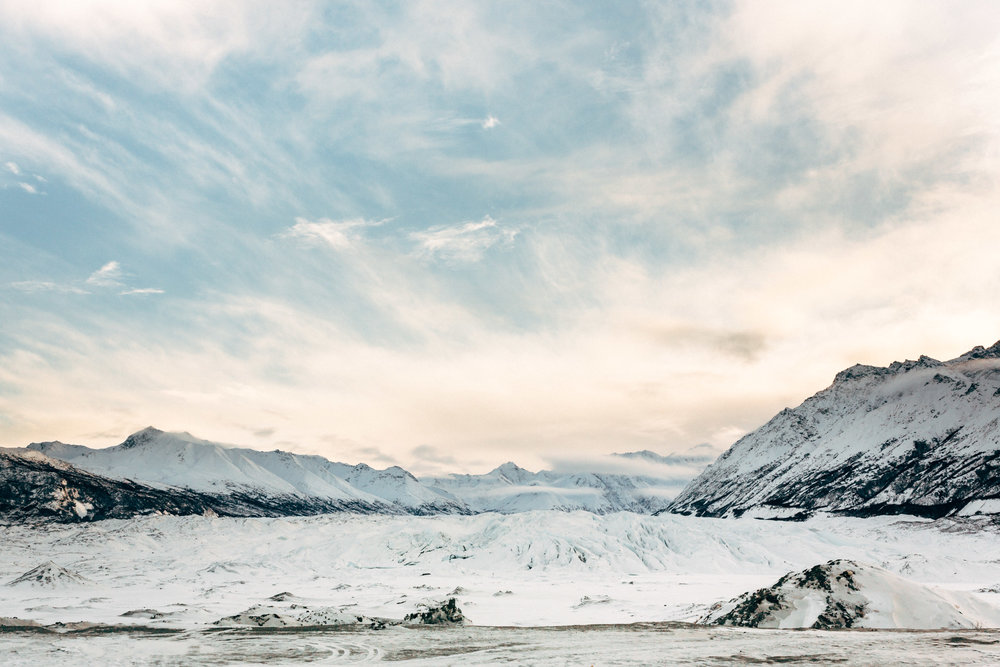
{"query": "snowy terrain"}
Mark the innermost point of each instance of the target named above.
(528, 569)
(634, 644)
(917, 437)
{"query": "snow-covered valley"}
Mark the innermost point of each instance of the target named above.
(528, 569)
(546, 569)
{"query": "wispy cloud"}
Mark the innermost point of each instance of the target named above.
(29, 188)
(490, 122)
(13, 168)
(338, 234)
(109, 275)
(142, 290)
(46, 286)
(463, 243)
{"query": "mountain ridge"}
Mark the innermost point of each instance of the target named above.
(917, 437)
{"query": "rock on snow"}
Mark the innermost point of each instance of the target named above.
(849, 594)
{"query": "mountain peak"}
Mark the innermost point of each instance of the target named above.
(980, 352)
(141, 437)
(857, 371)
(863, 370)
(511, 472)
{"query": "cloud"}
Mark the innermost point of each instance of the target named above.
(339, 234)
(428, 454)
(466, 242)
(29, 188)
(141, 290)
(13, 168)
(745, 345)
(46, 286)
(108, 275)
(676, 474)
(175, 45)
(374, 456)
(490, 122)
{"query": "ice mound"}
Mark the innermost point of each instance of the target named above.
(327, 616)
(48, 575)
(436, 613)
(263, 616)
(848, 594)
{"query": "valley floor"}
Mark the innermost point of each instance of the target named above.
(182, 574)
(638, 644)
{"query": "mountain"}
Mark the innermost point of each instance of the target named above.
(916, 437)
(634, 481)
(35, 487)
(180, 461)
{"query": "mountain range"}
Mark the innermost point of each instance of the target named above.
(154, 471)
(914, 437)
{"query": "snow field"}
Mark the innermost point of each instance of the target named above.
(530, 569)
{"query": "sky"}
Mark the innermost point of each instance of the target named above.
(446, 235)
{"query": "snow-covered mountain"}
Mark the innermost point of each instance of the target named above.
(919, 437)
(153, 471)
(179, 460)
(35, 487)
(633, 481)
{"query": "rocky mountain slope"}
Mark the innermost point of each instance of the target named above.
(918, 437)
